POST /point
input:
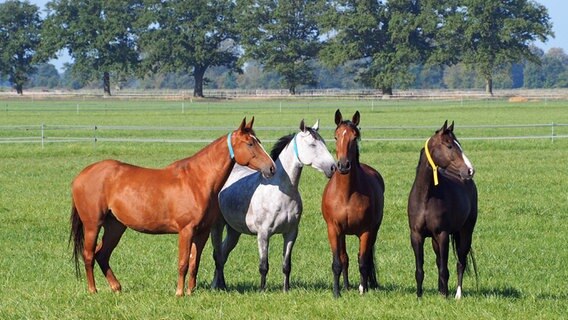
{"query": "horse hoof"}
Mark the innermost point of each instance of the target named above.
(458, 293)
(361, 289)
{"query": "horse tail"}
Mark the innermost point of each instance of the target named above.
(76, 236)
(474, 264)
(471, 256)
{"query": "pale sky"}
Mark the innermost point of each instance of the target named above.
(557, 9)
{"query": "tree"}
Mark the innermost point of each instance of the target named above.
(189, 36)
(283, 36)
(99, 36)
(495, 33)
(387, 38)
(20, 26)
(45, 76)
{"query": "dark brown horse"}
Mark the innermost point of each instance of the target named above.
(181, 198)
(352, 204)
(442, 205)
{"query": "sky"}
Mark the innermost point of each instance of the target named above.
(557, 10)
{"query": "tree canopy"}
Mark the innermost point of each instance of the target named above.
(284, 36)
(189, 36)
(20, 36)
(99, 36)
(494, 33)
(379, 44)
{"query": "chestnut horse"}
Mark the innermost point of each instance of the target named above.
(352, 204)
(443, 205)
(181, 198)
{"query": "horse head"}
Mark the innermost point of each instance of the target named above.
(444, 151)
(248, 151)
(311, 150)
(347, 136)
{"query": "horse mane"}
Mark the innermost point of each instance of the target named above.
(280, 145)
(285, 140)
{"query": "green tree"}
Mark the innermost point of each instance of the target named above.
(98, 35)
(283, 36)
(20, 29)
(45, 76)
(495, 33)
(387, 38)
(189, 36)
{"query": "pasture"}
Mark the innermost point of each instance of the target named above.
(519, 242)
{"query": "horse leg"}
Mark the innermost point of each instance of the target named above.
(199, 241)
(417, 241)
(440, 244)
(263, 241)
(231, 240)
(216, 240)
(91, 232)
(113, 231)
(344, 258)
(289, 240)
(185, 238)
(336, 265)
(463, 246)
(366, 264)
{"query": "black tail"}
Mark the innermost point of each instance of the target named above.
(76, 236)
(471, 256)
(474, 264)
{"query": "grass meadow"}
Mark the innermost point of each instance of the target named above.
(519, 242)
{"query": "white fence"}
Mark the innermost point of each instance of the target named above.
(45, 134)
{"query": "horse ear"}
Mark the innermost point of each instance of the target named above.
(444, 127)
(316, 126)
(356, 118)
(302, 126)
(249, 125)
(338, 117)
(451, 127)
(243, 123)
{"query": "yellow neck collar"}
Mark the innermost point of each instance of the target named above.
(431, 162)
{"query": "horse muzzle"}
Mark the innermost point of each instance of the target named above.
(343, 166)
(268, 172)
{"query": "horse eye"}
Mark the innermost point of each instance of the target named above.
(249, 144)
(450, 146)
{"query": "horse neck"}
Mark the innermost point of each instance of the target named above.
(424, 177)
(292, 167)
(210, 167)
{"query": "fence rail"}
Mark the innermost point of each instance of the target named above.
(44, 134)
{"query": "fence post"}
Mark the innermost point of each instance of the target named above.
(95, 137)
(42, 134)
(552, 135)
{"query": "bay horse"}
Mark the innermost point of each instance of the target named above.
(255, 206)
(180, 198)
(443, 205)
(352, 204)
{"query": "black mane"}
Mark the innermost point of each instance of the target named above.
(283, 142)
(280, 145)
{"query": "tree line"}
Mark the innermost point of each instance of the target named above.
(286, 43)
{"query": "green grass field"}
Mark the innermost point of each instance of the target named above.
(520, 239)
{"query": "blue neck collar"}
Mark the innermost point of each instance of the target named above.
(231, 152)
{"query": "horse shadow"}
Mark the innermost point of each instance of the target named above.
(507, 292)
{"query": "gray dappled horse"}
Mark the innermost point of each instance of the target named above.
(252, 205)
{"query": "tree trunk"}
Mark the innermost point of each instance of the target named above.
(489, 86)
(292, 90)
(198, 74)
(106, 83)
(387, 91)
(19, 88)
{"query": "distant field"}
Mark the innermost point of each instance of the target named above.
(519, 241)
